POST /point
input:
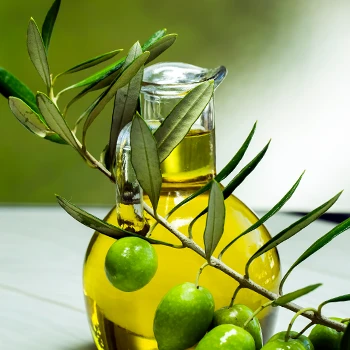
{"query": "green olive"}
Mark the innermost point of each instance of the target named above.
(282, 345)
(237, 315)
(301, 339)
(227, 337)
(131, 263)
(323, 337)
(183, 317)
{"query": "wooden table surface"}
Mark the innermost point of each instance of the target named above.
(41, 255)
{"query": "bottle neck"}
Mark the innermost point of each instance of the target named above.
(192, 162)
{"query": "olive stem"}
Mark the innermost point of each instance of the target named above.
(256, 312)
(304, 330)
(244, 282)
(300, 312)
(319, 310)
(235, 295)
(200, 272)
(92, 161)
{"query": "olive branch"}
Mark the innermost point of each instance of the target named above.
(121, 81)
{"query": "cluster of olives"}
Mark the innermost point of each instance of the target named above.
(186, 315)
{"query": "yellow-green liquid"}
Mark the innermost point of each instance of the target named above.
(124, 321)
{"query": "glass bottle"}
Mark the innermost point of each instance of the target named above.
(124, 321)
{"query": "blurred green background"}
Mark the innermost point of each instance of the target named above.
(246, 36)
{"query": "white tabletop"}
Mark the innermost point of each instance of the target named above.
(41, 256)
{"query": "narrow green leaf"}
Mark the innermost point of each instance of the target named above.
(99, 80)
(227, 170)
(234, 183)
(153, 39)
(293, 229)
(287, 298)
(232, 164)
(345, 341)
(52, 136)
(145, 160)
(37, 52)
(99, 84)
(49, 23)
(104, 77)
(27, 117)
(177, 124)
(160, 46)
(339, 299)
(320, 243)
(127, 74)
(92, 62)
(54, 119)
(125, 102)
(268, 215)
(97, 224)
(31, 120)
(214, 227)
(11, 86)
(247, 170)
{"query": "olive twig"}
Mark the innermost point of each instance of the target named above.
(235, 295)
(200, 272)
(300, 312)
(256, 312)
(310, 324)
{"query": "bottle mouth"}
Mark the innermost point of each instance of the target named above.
(175, 79)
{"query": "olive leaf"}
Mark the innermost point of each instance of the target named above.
(232, 164)
(292, 230)
(320, 243)
(97, 81)
(268, 215)
(247, 170)
(160, 46)
(91, 62)
(11, 86)
(234, 183)
(37, 52)
(31, 120)
(124, 78)
(341, 298)
(125, 103)
(104, 77)
(153, 39)
(227, 170)
(179, 121)
(99, 225)
(287, 298)
(54, 119)
(49, 23)
(214, 227)
(345, 341)
(145, 160)
(27, 117)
